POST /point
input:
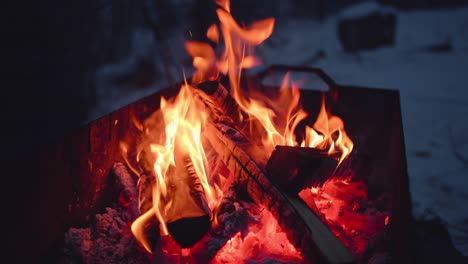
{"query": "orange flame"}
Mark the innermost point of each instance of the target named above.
(332, 134)
(278, 117)
(183, 118)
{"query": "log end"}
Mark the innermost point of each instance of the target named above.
(187, 231)
(295, 168)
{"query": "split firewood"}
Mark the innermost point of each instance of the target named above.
(185, 206)
(294, 168)
(188, 217)
(138, 198)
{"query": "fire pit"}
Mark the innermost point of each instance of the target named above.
(229, 170)
(372, 118)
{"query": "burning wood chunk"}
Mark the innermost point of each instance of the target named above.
(233, 217)
(263, 242)
(246, 233)
(188, 217)
(294, 168)
(223, 108)
(301, 225)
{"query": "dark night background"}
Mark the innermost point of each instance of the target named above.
(70, 62)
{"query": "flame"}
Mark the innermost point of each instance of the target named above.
(171, 153)
(279, 117)
(332, 134)
(260, 243)
(173, 150)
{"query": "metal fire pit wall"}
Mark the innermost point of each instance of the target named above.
(73, 171)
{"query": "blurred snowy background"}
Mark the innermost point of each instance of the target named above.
(106, 54)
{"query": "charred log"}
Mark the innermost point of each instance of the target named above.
(294, 168)
(188, 218)
(302, 226)
(188, 203)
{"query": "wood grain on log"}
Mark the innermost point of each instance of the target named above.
(302, 226)
(219, 94)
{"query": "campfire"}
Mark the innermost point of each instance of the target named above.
(228, 170)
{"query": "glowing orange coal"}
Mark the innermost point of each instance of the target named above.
(342, 205)
(259, 244)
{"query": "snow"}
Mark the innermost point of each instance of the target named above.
(433, 90)
(363, 9)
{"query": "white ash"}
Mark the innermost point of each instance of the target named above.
(108, 237)
(107, 240)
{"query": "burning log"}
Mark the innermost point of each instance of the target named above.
(302, 226)
(294, 168)
(190, 224)
(150, 229)
(233, 218)
(188, 206)
(218, 100)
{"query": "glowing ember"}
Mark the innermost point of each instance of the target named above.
(343, 205)
(262, 243)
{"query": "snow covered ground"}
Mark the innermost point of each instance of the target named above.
(433, 89)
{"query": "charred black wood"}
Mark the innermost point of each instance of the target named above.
(187, 231)
(294, 168)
